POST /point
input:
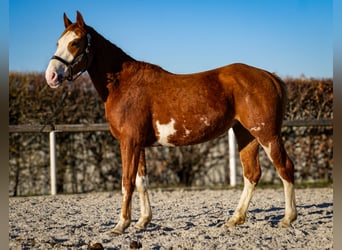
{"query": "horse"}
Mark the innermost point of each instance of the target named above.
(146, 106)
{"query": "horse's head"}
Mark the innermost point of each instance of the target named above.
(72, 56)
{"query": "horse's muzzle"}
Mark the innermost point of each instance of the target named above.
(53, 79)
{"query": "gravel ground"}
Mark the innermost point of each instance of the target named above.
(181, 220)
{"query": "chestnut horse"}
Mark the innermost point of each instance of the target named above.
(146, 106)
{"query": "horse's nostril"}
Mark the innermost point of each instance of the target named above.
(53, 76)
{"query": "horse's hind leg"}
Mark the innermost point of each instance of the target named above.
(275, 151)
(249, 155)
(141, 186)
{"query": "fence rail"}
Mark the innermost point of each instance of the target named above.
(59, 128)
(25, 128)
(55, 128)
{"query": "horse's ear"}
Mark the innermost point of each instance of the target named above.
(79, 20)
(67, 21)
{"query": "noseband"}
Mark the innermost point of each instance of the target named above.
(75, 61)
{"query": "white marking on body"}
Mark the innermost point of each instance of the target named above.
(124, 192)
(141, 183)
(289, 197)
(290, 203)
(123, 223)
(164, 131)
(205, 120)
(268, 150)
(258, 128)
(245, 198)
(124, 196)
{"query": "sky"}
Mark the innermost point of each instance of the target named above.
(292, 38)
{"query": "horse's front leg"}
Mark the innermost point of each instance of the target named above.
(141, 183)
(130, 153)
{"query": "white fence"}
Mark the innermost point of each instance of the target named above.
(53, 129)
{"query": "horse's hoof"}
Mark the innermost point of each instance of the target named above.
(286, 221)
(230, 224)
(139, 226)
(117, 231)
(142, 224)
(284, 224)
(121, 226)
(233, 222)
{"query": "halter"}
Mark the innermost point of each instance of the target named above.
(75, 61)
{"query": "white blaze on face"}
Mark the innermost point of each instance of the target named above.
(56, 67)
(62, 50)
(164, 131)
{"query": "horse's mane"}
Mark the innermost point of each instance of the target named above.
(141, 66)
(142, 71)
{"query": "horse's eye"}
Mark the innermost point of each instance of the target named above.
(75, 44)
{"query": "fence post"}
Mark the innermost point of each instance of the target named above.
(232, 160)
(53, 162)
